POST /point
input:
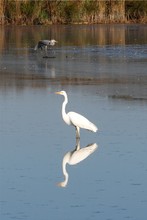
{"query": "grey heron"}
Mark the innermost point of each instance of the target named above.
(44, 44)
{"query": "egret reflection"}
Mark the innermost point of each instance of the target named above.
(74, 157)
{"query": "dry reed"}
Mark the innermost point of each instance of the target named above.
(25, 12)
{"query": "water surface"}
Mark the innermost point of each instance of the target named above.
(103, 70)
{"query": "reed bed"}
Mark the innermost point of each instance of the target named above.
(31, 12)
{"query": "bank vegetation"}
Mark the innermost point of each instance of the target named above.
(43, 12)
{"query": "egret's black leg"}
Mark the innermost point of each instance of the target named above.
(77, 133)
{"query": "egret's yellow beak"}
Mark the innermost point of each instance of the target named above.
(58, 93)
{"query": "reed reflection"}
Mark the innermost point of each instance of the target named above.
(74, 157)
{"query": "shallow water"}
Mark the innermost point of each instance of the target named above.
(103, 70)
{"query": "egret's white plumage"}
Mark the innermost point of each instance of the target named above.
(75, 119)
(74, 157)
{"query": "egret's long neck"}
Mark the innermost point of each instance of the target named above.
(64, 115)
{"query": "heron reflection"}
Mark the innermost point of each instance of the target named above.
(74, 157)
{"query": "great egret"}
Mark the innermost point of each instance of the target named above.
(75, 119)
(45, 44)
(74, 157)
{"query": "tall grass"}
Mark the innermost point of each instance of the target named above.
(2, 12)
(25, 12)
(136, 11)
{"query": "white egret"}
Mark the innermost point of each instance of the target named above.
(74, 157)
(75, 119)
(45, 44)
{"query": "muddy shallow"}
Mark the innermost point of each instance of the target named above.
(103, 69)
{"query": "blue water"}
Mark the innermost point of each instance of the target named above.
(111, 183)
